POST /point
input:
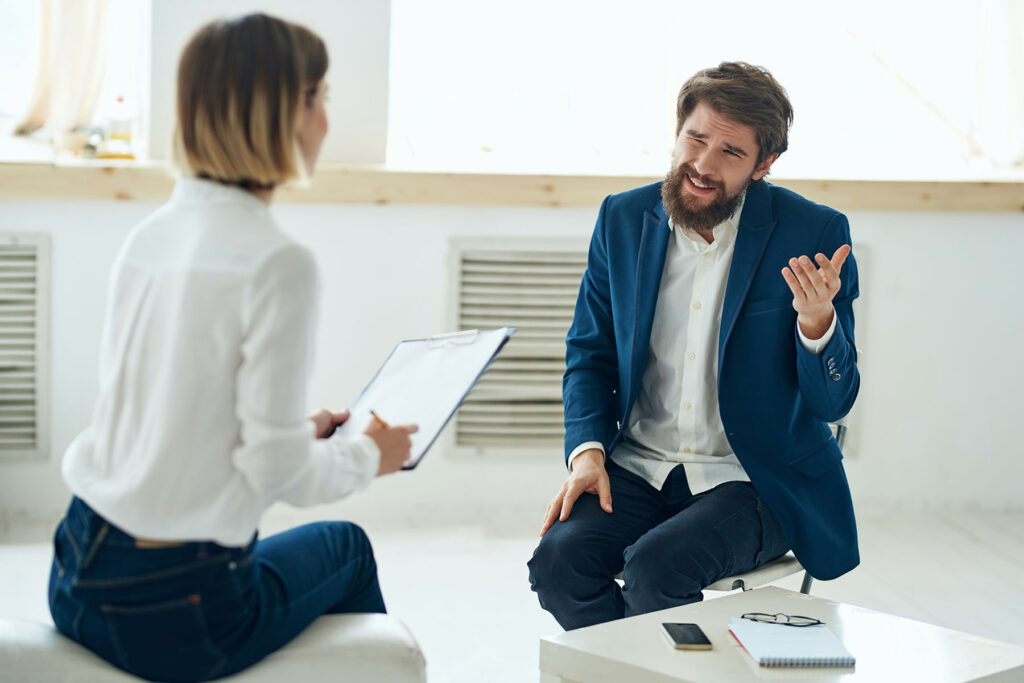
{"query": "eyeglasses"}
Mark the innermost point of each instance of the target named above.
(782, 619)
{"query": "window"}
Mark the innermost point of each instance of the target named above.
(18, 54)
(881, 89)
(93, 70)
(126, 83)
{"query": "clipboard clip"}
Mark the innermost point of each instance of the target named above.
(464, 337)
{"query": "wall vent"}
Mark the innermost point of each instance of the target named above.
(531, 284)
(24, 345)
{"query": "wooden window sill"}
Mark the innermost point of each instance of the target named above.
(334, 184)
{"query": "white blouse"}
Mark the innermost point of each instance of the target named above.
(201, 420)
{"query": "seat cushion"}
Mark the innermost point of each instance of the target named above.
(357, 647)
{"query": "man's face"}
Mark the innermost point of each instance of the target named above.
(714, 160)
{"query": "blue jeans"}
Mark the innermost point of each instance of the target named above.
(200, 610)
(668, 544)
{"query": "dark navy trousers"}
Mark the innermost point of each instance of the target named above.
(201, 610)
(668, 544)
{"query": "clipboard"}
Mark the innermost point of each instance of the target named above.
(423, 382)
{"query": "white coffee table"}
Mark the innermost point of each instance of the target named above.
(886, 647)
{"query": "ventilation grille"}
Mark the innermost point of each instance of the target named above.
(518, 403)
(24, 345)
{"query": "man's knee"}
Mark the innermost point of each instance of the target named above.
(562, 559)
(571, 575)
(548, 564)
(654, 578)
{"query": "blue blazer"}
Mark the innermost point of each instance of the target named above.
(775, 397)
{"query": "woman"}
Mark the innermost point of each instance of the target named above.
(199, 425)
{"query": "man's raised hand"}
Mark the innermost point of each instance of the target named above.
(814, 288)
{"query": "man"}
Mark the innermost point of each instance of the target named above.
(712, 342)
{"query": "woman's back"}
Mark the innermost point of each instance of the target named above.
(201, 421)
(200, 290)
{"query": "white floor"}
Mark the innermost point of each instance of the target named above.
(464, 592)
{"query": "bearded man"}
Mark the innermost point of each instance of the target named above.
(711, 345)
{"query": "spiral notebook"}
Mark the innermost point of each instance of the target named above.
(776, 645)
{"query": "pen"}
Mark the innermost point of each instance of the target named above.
(377, 417)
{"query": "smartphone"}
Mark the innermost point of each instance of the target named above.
(686, 636)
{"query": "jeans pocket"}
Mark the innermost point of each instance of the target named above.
(65, 611)
(773, 541)
(165, 641)
(741, 535)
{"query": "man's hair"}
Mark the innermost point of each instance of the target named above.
(240, 85)
(745, 94)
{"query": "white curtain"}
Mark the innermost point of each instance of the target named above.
(71, 68)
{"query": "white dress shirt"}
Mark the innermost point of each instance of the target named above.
(675, 419)
(201, 421)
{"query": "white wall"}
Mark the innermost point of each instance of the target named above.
(357, 36)
(939, 324)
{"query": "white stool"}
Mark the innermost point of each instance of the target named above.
(336, 647)
(779, 568)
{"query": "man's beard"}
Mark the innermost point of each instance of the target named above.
(700, 219)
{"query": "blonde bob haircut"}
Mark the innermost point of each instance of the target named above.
(240, 85)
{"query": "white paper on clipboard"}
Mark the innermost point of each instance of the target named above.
(423, 382)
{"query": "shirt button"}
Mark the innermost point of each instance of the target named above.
(836, 376)
(696, 306)
(688, 405)
(687, 450)
(692, 356)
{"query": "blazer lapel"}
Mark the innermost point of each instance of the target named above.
(756, 226)
(650, 264)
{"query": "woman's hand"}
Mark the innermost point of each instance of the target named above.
(326, 422)
(394, 444)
